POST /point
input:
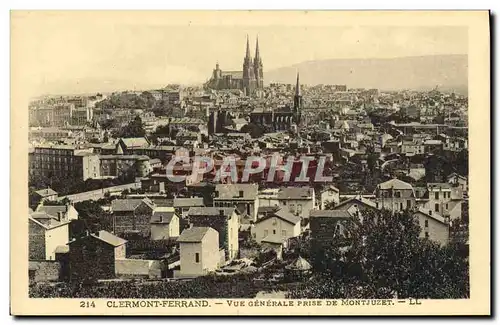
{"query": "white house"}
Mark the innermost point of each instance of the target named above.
(281, 223)
(297, 200)
(45, 235)
(164, 223)
(330, 194)
(199, 251)
(433, 226)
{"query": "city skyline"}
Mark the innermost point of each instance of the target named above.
(79, 60)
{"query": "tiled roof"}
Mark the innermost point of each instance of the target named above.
(210, 211)
(343, 214)
(52, 210)
(274, 239)
(395, 184)
(295, 193)
(109, 238)
(232, 191)
(194, 235)
(46, 192)
(188, 202)
(135, 142)
(162, 216)
(129, 204)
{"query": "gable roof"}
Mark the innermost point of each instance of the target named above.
(273, 239)
(120, 205)
(188, 202)
(210, 211)
(193, 235)
(109, 238)
(46, 192)
(48, 223)
(295, 193)
(163, 217)
(395, 184)
(432, 214)
(135, 142)
(357, 200)
(53, 210)
(340, 214)
(283, 215)
(232, 191)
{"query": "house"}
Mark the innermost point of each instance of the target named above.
(46, 233)
(433, 226)
(297, 200)
(330, 195)
(395, 195)
(182, 205)
(281, 223)
(94, 256)
(224, 220)
(242, 196)
(132, 216)
(458, 180)
(199, 252)
(443, 199)
(126, 146)
(46, 194)
(358, 206)
(274, 243)
(164, 223)
(65, 212)
(327, 225)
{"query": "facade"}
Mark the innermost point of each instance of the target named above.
(395, 195)
(280, 224)
(132, 216)
(325, 225)
(248, 80)
(297, 200)
(433, 226)
(199, 251)
(164, 224)
(443, 199)
(64, 162)
(94, 256)
(242, 196)
(330, 195)
(224, 220)
(45, 235)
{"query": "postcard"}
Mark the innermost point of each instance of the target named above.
(250, 163)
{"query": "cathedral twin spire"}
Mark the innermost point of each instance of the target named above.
(248, 56)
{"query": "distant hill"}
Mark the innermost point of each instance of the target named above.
(448, 72)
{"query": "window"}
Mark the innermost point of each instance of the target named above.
(436, 195)
(197, 258)
(292, 208)
(284, 202)
(397, 194)
(401, 206)
(436, 207)
(427, 223)
(283, 233)
(446, 206)
(274, 231)
(426, 234)
(408, 204)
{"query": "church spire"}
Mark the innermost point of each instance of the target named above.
(248, 49)
(257, 54)
(297, 87)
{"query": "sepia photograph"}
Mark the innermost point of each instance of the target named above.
(214, 162)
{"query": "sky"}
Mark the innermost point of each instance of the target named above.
(69, 52)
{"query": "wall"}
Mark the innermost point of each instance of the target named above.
(438, 231)
(188, 263)
(36, 241)
(258, 231)
(41, 271)
(55, 237)
(307, 205)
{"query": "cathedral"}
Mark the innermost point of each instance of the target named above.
(248, 80)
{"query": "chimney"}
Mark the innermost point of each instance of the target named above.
(430, 212)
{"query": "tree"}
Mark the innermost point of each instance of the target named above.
(387, 258)
(254, 130)
(91, 217)
(134, 129)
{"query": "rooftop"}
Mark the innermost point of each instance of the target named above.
(194, 235)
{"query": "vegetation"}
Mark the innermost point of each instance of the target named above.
(91, 217)
(133, 129)
(387, 258)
